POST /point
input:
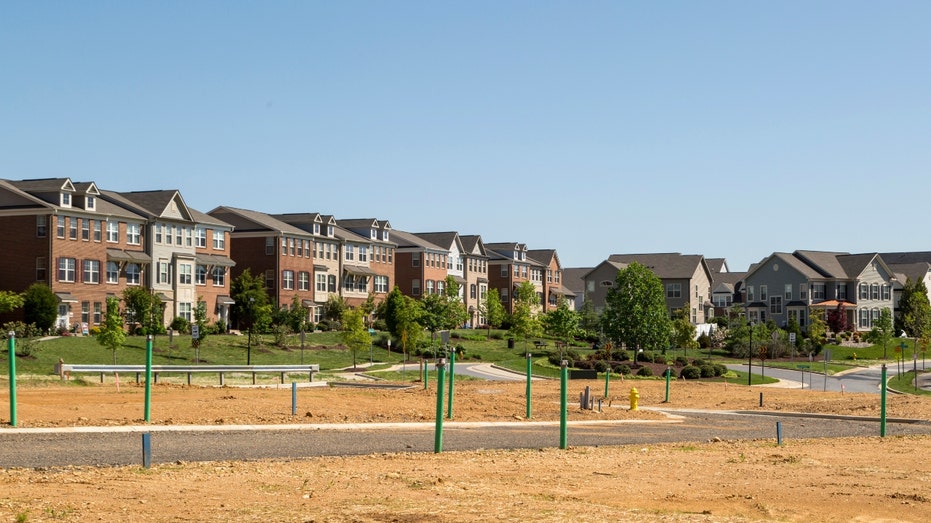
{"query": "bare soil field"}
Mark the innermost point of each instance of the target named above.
(849, 479)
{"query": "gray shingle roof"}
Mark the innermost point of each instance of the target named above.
(245, 220)
(671, 265)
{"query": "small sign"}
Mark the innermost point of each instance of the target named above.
(303, 337)
(827, 356)
(444, 336)
(84, 329)
(791, 337)
(775, 336)
(195, 332)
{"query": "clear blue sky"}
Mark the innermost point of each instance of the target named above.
(728, 129)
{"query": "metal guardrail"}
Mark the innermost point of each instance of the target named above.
(64, 370)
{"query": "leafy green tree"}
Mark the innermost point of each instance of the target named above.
(112, 335)
(10, 301)
(437, 313)
(334, 307)
(683, 331)
(493, 310)
(40, 306)
(635, 310)
(883, 331)
(817, 330)
(251, 309)
(524, 321)
(145, 309)
(354, 335)
(914, 309)
(589, 322)
(390, 311)
(456, 312)
(408, 328)
(200, 319)
(561, 323)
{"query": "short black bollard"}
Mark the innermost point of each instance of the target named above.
(761, 399)
(779, 433)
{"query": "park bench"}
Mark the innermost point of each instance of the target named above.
(65, 370)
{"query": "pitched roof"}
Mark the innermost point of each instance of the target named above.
(574, 279)
(245, 220)
(899, 258)
(824, 262)
(664, 265)
(445, 239)
(406, 239)
(910, 271)
(472, 243)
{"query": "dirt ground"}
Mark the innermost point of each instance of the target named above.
(850, 479)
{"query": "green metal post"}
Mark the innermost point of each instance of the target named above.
(563, 402)
(668, 372)
(438, 432)
(426, 374)
(452, 380)
(529, 374)
(607, 381)
(882, 403)
(12, 346)
(148, 377)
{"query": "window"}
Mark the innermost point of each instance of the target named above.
(85, 311)
(86, 230)
(200, 275)
(349, 283)
(269, 246)
(97, 230)
(184, 310)
(381, 284)
(440, 287)
(66, 269)
(291, 246)
(390, 255)
(523, 271)
(164, 272)
(60, 227)
(284, 246)
(430, 288)
(41, 268)
(874, 291)
(90, 203)
(331, 283)
(363, 253)
(184, 273)
(41, 226)
(307, 246)
(516, 271)
(472, 290)
(775, 305)
(319, 247)
(864, 291)
(415, 287)
(321, 282)
(178, 234)
(415, 259)
(373, 233)
(219, 240)
(287, 280)
(817, 291)
(219, 276)
(803, 291)
(694, 315)
(113, 272)
(864, 318)
(350, 253)
(384, 235)
(330, 230)
(132, 274)
(504, 295)
(132, 233)
(200, 237)
(188, 242)
(763, 293)
(300, 248)
(673, 290)
(65, 199)
(788, 294)
(841, 291)
(113, 232)
(751, 295)
(885, 291)
(874, 316)
(98, 310)
(269, 279)
(73, 228)
(158, 233)
(330, 254)
(303, 281)
(316, 228)
(91, 271)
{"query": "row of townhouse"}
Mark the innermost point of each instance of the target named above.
(782, 287)
(87, 244)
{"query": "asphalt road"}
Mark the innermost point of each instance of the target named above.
(123, 446)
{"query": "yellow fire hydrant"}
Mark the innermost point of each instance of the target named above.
(634, 398)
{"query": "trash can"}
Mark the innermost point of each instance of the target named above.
(510, 343)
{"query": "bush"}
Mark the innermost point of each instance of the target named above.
(704, 341)
(645, 356)
(581, 364)
(622, 369)
(180, 324)
(698, 362)
(707, 371)
(690, 372)
(644, 371)
(601, 366)
(681, 361)
(620, 355)
(280, 334)
(719, 370)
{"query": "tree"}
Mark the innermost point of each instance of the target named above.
(683, 331)
(144, 308)
(111, 333)
(635, 310)
(40, 306)
(354, 334)
(10, 301)
(589, 322)
(251, 308)
(456, 310)
(435, 315)
(837, 319)
(562, 323)
(391, 308)
(200, 319)
(817, 330)
(914, 309)
(882, 331)
(524, 321)
(493, 310)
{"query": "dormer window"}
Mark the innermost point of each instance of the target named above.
(373, 234)
(90, 203)
(384, 235)
(66, 199)
(316, 228)
(329, 230)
